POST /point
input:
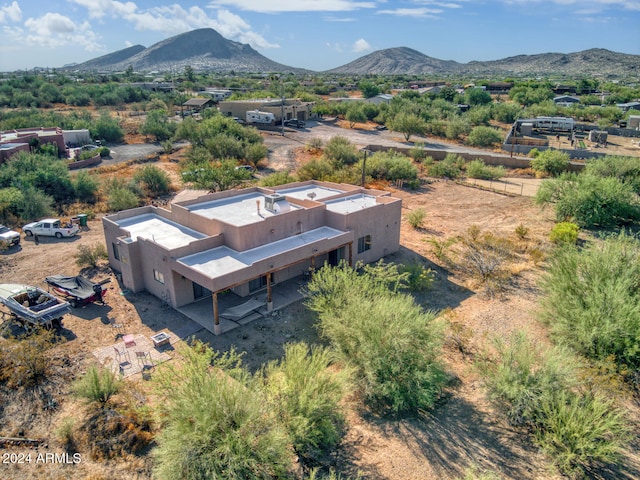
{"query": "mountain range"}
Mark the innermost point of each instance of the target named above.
(206, 50)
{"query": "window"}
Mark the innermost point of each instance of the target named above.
(159, 277)
(364, 243)
(116, 255)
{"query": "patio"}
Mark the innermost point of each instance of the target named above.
(133, 354)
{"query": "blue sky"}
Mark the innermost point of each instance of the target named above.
(317, 34)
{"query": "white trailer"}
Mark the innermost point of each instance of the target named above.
(563, 124)
(263, 118)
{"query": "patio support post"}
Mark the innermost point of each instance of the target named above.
(312, 268)
(269, 293)
(351, 254)
(216, 318)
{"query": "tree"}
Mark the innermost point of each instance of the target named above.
(368, 89)
(158, 125)
(355, 114)
(550, 162)
(477, 96)
(408, 124)
(484, 136)
(340, 151)
(154, 180)
(107, 129)
(216, 177)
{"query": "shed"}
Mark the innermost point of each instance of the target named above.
(198, 104)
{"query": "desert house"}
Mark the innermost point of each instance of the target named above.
(243, 241)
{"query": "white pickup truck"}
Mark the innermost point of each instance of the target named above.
(8, 237)
(50, 227)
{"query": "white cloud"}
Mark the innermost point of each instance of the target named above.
(10, 12)
(279, 6)
(54, 30)
(101, 8)
(592, 5)
(360, 46)
(412, 12)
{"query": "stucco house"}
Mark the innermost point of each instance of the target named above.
(244, 240)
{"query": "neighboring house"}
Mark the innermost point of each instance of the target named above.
(197, 104)
(628, 106)
(565, 100)
(246, 240)
(290, 108)
(13, 141)
(382, 98)
(217, 94)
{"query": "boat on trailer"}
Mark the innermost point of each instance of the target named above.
(33, 306)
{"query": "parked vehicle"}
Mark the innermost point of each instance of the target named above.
(78, 291)
(32, 306)
(263, 118)
(294, 122)
(8, 237)
(51, 227)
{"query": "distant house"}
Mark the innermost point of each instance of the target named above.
(197, 104)
(565, 100)
(217, 94)
(13, 141)
(290, 108)
(625, 107)
(382, 98)
(499, 87)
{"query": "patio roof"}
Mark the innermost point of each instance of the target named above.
(221, 261)
(318, 192)
(351, 203)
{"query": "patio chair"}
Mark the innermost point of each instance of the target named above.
(118, 327)
(121, 353)
(145, 361)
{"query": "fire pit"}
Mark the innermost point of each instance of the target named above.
(160, 339)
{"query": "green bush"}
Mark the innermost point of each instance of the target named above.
(122, 199)
(478, 169)
(484, 136)
(393, 345)
(315, 169)
(307, 393)
(97, 385)
(277, 178)
(154, 181)
(589, 200)
(216, 424)
(538, 390)
(450, 167)
(550, 162)
(625, 169)
(564, 233)
(86, 187)
(89, 256)
(339, 151)
(390, 166)
(416, 218)
(418, 153)
(591, 300)
(419, 277)
(25, 360)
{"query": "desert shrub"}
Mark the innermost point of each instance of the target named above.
(216, 424)
(550, 162)
(484, 256)
(522, 231)
(154, 181)
(419, 277)
(64, 432)
(416, 217)
(579, 431)
(625, 169)
(97, 385)
(393, 345)
(306, 393)
(315, 169)
(122, 198)
(450, 167)
(478, 169)
(589, 200)
(339, 151)
(534, 152)
(538, 390)
(86, 187)
(25, 360)
(90, 256)
(457, 127)
(484, 136)
(391, 166)
(591, 300)
(277, 178)
(315, 144)
(254, 153)
(417, 152)
(564, 233)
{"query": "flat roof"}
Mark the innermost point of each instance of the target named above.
(351, 203)
(223, 260)
(238, 210)
(162, 231)
(302, 193)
